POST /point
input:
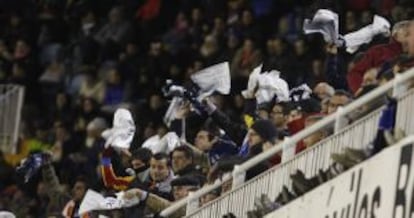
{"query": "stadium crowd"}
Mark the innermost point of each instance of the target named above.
(80, 60)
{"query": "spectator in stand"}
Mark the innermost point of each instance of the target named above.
(277, 56)
(73, 44)
(78, 192)
(116, 91)
(181, 187)
(339, 99)
(87, 111)
(323, 91)
(62, 109)
(209, 50)
(139, 161)
(140, 176)
(117, 30)
(182, 162)
(279, 116)
(301, 60)
(92, 87)
(317, 136)
(377, 55)
(160, 175)
(245, 59)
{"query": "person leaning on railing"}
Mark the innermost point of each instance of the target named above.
(181, 187)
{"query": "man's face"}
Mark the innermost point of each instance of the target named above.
(253, 138)
(337, 101)
(179, 161)
(78, 191)
(294, 115)
(180, 192)
(158, 170)
(313, 138)
(202, 141)
(277, 116)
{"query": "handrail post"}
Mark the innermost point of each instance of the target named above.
(397, 89)
(192, 204)
(288, 151)
(238, 177)
(340, 121)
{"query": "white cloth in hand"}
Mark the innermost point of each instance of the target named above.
(252, 84)
(365, 35)
(325, 22)
(122, 132)
(270, 85)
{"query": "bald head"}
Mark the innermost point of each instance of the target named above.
(400, 33)
(400, 27)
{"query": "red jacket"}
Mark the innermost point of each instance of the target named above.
(373, 57)
(295, 127)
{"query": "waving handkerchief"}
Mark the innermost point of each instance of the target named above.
(325, 22)
(365, 35)
(120, 196)
(213, 78)
(252, 84)
(166, 144)
(95, 201)
(175, 104)
(270, 85)
(123, 130)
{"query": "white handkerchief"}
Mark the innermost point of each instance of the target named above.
(123, 130)
(172, 110)
(252, 84)
(90, 202)
(365, 35)
(95, 201)
(325, 22)
(126, 202)
(270, 85)
(165, 145)
(213, 78)
(152, 144)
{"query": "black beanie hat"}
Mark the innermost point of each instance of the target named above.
(266, 130)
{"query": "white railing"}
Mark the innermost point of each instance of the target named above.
(405, 119)
(357, 135)
(339, 196)
(11, 102)
(240, 199)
